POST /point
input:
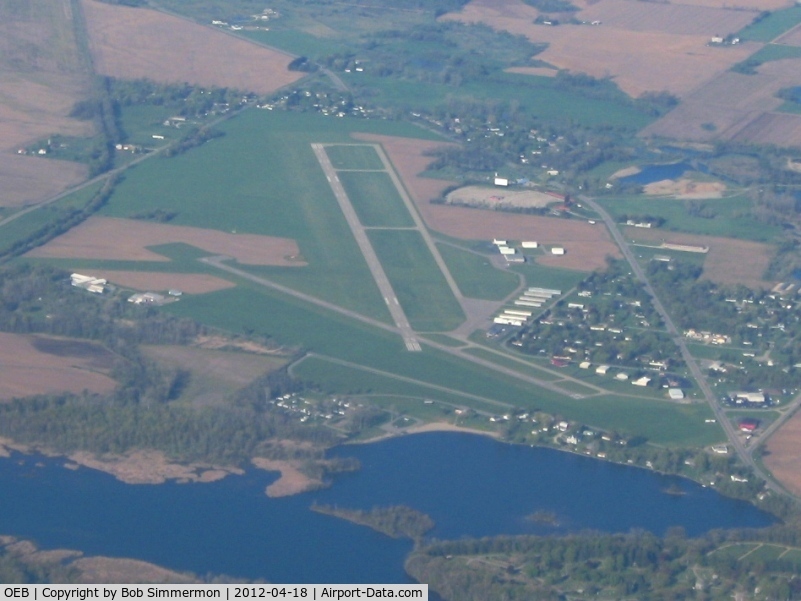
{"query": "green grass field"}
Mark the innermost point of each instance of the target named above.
(375, 199)
(775, 52)
(476, 276)
(771, 27)
(549, 277)
(141, 123)
(354, 156)
(262, 177)
(729, 217)
(537, 95)
(528, 368)
(416, 279)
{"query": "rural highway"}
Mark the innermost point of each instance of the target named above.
(360, 235)
(744, 454)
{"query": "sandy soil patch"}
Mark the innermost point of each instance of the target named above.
(126, 240)
(150, 467)
(625, 172)
(499, 198)
(784, 454)
(133, 42)
(27, 370)
(448, 427)
(639, 60)
(127, 571)
(685, 189)
(729, 261)
(191, 283)
(542, 71)
(224, 343)
(292, 480)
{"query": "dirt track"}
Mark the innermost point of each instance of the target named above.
(191, 283)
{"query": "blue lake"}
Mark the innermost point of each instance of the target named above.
(470, 486)
(657, 173)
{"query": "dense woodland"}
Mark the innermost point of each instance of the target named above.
(638, 566)
(142, 412)
(398, 521)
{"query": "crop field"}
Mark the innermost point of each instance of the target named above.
(39, 365)
(213, 374)
(676, 62)
(729, 261)
(416, 279)
(772, 26)
(783, 454)
(732, 216)
(42, 75)
(191, 283)
(780, 129)
(133, 43)
(682, 19)
(729, 103)
(776, 52)
(375, 199)
(127, 240)
(475, 274)
(755, 5)
(353, 156)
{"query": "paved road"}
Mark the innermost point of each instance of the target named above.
(379, 275)
(733, 435)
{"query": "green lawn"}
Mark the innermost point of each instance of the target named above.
(476, 276)
(141, 122)
(729, 217)
(416, 279)
(771, 27)
(530, 369)
(375, 199)
(354, 156)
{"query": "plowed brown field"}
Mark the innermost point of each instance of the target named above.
(192, 283)
(128, 239)
(729, 261)
(138, 42)
(664, 48)
(40, 365)
(784, 454)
